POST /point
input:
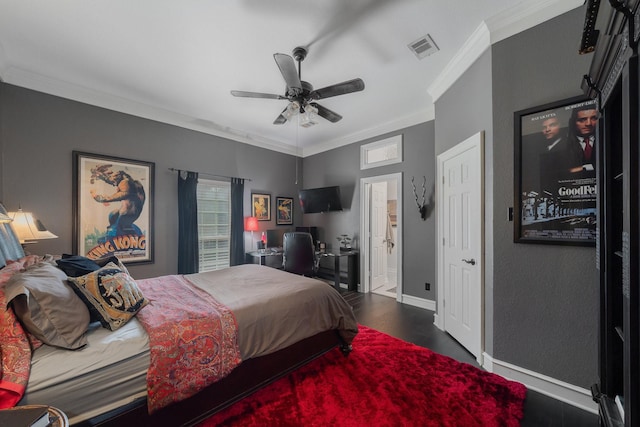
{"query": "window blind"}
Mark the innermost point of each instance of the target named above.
(214, 224)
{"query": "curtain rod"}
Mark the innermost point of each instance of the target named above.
(208, 174)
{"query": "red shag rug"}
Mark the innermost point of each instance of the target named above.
(383, 382)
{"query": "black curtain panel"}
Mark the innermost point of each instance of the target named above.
(187, 222)
(237, 222)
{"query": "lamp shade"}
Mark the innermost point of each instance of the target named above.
(29, 229)
(251, 223)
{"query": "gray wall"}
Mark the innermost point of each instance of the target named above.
(541, 300)
(545, 296)
(39, 132)
(340, 166)
(462, 111)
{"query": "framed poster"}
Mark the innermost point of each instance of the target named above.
(113, 208)
(555, 173)
(284, 210)
(261, 206)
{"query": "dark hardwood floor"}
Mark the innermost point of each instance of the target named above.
(415, 325)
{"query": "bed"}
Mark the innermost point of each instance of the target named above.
(282, 321)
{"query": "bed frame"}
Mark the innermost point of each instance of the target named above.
(250, 376)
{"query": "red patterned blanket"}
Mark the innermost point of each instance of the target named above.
(14, 349)
(15, 344)
(192, 338)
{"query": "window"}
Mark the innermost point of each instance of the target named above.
(385, 152)
(214, 224)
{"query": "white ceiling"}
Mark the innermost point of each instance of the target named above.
(177, 61)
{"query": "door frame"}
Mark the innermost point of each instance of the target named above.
(365, 235)
(476, 140)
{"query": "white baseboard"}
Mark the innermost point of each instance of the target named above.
(554, 388)
(437, 321)
(427, 304)
(559, 390)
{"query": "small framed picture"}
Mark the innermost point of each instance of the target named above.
(284, 210)
(261, 206)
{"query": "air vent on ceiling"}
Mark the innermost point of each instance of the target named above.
(423, 47)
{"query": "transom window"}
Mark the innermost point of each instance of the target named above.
(214, 224)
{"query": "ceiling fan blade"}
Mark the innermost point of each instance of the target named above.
(326, 113)
(287, 67)
(281, 119)
(243, 94)
(350, 86)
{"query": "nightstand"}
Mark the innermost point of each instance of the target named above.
(56, 416)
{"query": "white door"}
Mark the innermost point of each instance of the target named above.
(393, 186)
(461, 293)
(378, 231)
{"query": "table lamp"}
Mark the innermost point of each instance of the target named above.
(251, 224)
(28, 228)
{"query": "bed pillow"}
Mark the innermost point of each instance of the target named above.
(111, 295)
(78, 265)
(47, 307)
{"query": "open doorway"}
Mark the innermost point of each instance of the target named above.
(381, 230)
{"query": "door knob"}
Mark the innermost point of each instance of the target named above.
(470, 261)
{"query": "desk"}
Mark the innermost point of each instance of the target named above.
(352, 268)
(266, 257)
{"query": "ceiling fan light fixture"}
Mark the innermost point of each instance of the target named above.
(292, 109)
(309, 117)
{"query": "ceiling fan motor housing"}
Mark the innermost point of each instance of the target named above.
(299, 53)
(307, 88)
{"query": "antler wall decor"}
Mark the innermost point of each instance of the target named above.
(422, 207)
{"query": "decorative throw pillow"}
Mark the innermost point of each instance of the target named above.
(111, 295)
(47, 307)
(114, 259)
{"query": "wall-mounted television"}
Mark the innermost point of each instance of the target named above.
(325, 199)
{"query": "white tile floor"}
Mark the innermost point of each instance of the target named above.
(387, 290)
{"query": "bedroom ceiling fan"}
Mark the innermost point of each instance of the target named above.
(301, 94)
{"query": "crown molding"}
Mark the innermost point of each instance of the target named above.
(33, 81)
(499, 27)
(472, 49)
(527, 15)
(378, 131)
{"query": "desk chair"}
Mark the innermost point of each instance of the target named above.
(299, 255)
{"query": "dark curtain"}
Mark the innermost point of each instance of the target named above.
(187, 222)
(237, 222)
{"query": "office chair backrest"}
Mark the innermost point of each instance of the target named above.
(299, 255)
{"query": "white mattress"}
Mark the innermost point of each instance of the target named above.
(108, 372)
